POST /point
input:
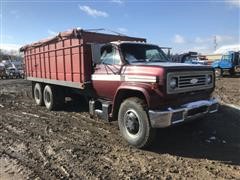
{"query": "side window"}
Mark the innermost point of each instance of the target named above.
(109, 55)
(96, 52)
(117, 58)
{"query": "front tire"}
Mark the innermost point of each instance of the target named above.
(134, 124)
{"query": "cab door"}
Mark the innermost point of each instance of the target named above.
(106, 77)
(237, 62)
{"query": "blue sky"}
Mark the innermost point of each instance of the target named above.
(182, 25)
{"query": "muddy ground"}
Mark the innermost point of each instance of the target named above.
(68, 144)
(228, 90)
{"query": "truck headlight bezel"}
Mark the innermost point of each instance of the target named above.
(209, 79)
(173, 82)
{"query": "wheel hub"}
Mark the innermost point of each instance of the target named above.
(131, 122)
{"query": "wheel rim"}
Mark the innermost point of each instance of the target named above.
(131, 122)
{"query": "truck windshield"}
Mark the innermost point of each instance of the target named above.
(227, 58)
(135, 53)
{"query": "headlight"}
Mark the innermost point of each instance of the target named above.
(173, 83)
(209, 79)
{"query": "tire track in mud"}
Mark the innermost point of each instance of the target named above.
(98, 147)
(29, 155)
(34, 122)
(10, 168)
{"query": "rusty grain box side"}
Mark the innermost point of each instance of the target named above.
(65, 59)
(60, 60)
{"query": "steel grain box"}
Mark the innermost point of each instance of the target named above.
(65, 59)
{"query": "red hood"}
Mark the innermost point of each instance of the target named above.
(159, 69)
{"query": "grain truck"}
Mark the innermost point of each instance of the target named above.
(123, 78)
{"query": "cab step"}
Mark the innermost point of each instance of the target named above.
(100, 108)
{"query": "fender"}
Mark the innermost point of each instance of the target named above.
(128, 89)
(215, 64)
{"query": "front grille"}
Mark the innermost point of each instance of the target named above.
(189, 81)
(185, 81)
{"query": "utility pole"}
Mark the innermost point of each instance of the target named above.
(215, 42)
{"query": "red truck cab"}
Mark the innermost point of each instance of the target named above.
(126, 80)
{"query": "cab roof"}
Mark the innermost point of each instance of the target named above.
(87, 36)
(130, 42)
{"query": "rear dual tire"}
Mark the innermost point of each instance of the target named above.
(38, 94)
(50, 96)
(53, 97)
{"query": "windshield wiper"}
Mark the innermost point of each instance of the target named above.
(157, 61)
(136, 61)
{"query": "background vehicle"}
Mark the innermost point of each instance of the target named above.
(12, 73)
(21, 73)
(122, 78)
(13, 69)
(190, 58)
(2, 71)
(229, 62)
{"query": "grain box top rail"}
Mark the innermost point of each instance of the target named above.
(87, 36)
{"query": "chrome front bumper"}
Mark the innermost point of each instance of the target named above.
(186, 112)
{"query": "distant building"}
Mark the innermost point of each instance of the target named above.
(213, 57)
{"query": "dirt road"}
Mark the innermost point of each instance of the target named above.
(68, 144)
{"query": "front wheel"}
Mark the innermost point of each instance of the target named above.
(134, 124)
